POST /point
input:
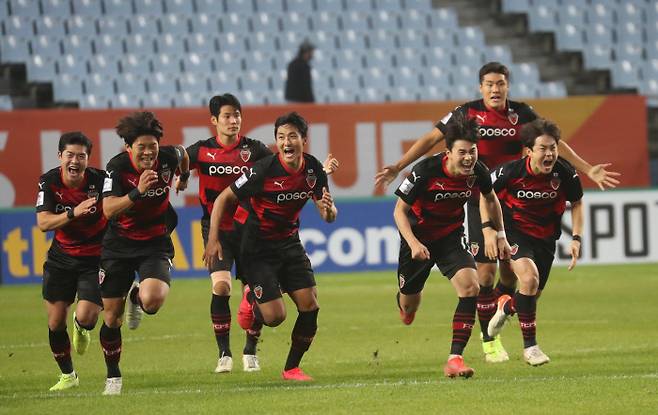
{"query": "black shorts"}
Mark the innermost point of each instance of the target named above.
(541, 252)
(62, 283)
(450, 254)
(230, 241)
(278, 266)
(117, 274)
(475, 235)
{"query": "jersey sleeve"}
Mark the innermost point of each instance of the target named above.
(483, 177)
(251, 182)
(500, 177)
(193, 153)
(573, 186)
(112, 184)
(322, 180)
(261, 150)
(173, 153)
(528, 113)
(442, 124)
(413, 184)
(45, 199)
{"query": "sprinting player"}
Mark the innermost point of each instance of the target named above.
(136, 199)
(534, 192)
(274, 191)
(430, 215)
(69, 203)
(220, 161)
(500, 122)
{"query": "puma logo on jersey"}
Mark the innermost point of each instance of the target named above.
(41, 185)
(211, 155)
(280, 184)
(439, 184)
(415, 176)
(133, 182)
(481, 118)
(60, 195)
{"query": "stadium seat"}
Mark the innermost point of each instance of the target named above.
(515, 6)
(258, 60)
(325, 21)
(269, 6)
(205, 24)
(193, 83)
(629, 51)
(41, 69)
(232, 42)
(81, 26)
(5, 103)
(422, 5)
(173, 24)
(108, 45)
(629, 32)
(170, 44)
(352, 39)
(381, 39)
(599, 34)
(56, 8)
(157, 100)
(179, 7)
(409, 38)
(140, 45)
(385, 20)
(300, 6)
(443, 18)
(570, 37)
(201, 44)
(165, 64)
(112, 25)
(104, 64)
(409, 57)
(148, 7)
(355, 21)
(46, 47)
(600, 14)
(472, 36)
(19, 26)
(262, 41)
(189, 100)
(50, 26)
(24, 8)
(438, 56)
(344, 78)
(269, 22)
(413, 19)
(131, 83)
(125, 100)
(143, 25)
(335, 6)
(162, 83)
(625, 74)
(241, 7)
(73, 65)
(542, 19)
(552, 90)
(118, 8)
(293, 22)
(522, 90)
(498, 53)
(234, 23)
(67, 88)
(468, 55)
(223, 81)
(571, 14)
(87, 8)
(349, 59)
(389, 5)
(377, 78)
(99, 85)
(438, 77)
(598, 56)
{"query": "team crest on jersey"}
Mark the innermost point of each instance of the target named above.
(475, 248)
(512, 116)
(555, 183)
(245, 154)
(311, 178)
(402, 280)
(515, 249)
(258, 291)
(101, 275)
(166, 175)
(470, 181)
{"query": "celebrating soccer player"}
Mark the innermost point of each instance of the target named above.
(430, 215)
(68, 203)
(500, 121)
(273, 193)
(136, 198)
(534, 192)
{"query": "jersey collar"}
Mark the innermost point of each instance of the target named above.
(226, 149)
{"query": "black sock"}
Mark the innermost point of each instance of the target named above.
(462, 324)
(486, 308)
(503, 289)
(251, 298)
(220, 314)
(60, 345)
(252, 338)
(111, 344)
(526, 308)
(302, 336)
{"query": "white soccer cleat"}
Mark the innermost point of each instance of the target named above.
(250, 363)
(134, 312)
(499, 319)
(534, 356)
(112, 386)
(224, 364)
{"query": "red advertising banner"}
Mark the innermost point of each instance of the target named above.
(363, 137)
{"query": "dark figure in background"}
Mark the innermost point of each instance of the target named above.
(299, 87)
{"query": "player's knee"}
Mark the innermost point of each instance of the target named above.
(112, 320)
(221, 288)
(274, 319)
(471, 290)
(530, 284)
(486, 274)
(87, 319)
(56, 323)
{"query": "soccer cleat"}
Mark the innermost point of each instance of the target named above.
(224, 364)
(81, 337)
(499, 318)
(455, 367)
(534, 356)
(407, 318)
(494, 352)
(112, 386)
(296, 374)
(66, 381)
(134, 311)
(245, 311)
(250, 363)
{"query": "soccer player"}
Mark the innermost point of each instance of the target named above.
(534, 192)
(500, 122)
(430, 215)
(273, 193)
(220, 161)
(136, 199)
(68, 203)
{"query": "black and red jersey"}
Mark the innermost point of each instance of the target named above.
(437, 198)
(149, 217)
(500, 132)
(276, 196)
(82, 236)
(219, 166)
(534, 203)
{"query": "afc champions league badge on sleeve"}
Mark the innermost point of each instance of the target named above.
(311, 178)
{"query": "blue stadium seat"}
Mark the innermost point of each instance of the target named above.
(148, 7)
(41, 69)
(228, 60)
(404, 94)
(409, 38)
(87, 8)
(443, 18)
(323, 40)
(131, 83)
(269, 6)
(106, 65)
(173, 24)
(377, 78)
(437, 76)
(77, 46)
(201, 44)
(300, 6)
(234, 23)
(46, 47)
(108, 45)
(179, 7)
(165, 64)
(629, 32)
(343, 95)
(498, 53)
(364, 6)
(162, 83)
(73, 65)
(223, 81)
(571, 14)
(352, 39)
(552, 89)
(81, 26)
(322, 60)
(135, 64)
(242, 7)
(189, 100)
(268, 22)
(335, 6)
(629, 51)
(413, 19)
(255, 80)
(50, 26)
(170, 44)
(468, 55)
(524, 72)
(598, 56)
(205, 23)
(442, 38)
(99, 85)
(438, 57)
(140, 45)
(422, 5)
(599, 34)
(67, 88)
(258, 60)
(389, 5)
(378, 58)
(56, 8)
(157, 100)
(464, 75)
(381, 39)
(4, 11)
(409, 56)
(344, 78)
(193, 83)
(6, 103)
(232, 42)
(19, 26)
(253, 97)
(472, 36)
(406, 76)
(120, 8)
(325, 21)
(355, 21)
(112, 25)
(600, 14)
(24, 8)
(515, 6)
(523, 90)
(372, 94)
(625, 74)
(570, 37)
(652, 48)
(294, 22)
(463, 92)
(143, 25)
(349, 59)
(542, 19)
(125, 101)
(290, 41)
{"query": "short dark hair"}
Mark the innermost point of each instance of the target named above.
(292, 118)
(461, 128)
(218, 101)
(138, 124)
(493, 67)
(537, 128)
(75, 137)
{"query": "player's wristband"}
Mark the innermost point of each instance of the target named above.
(501, 235)
(70, 214)
(576, 238)
(185, 176)
(134, 195)
(488, 224)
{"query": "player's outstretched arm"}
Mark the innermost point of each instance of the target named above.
(598, 173)
(577, 229)
(420, 147)
(419, 252)
(495, 240)
(330, 164)
(213, 250)
(326, 206)
(49, 221)
(184, 168)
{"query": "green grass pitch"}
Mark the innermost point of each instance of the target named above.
(597, 323)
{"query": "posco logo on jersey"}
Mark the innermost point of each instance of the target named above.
(452, 195)
(527, 194)
(158, 191)
(223, 170)
(59, 208)
(285, 197)
(497, 132)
